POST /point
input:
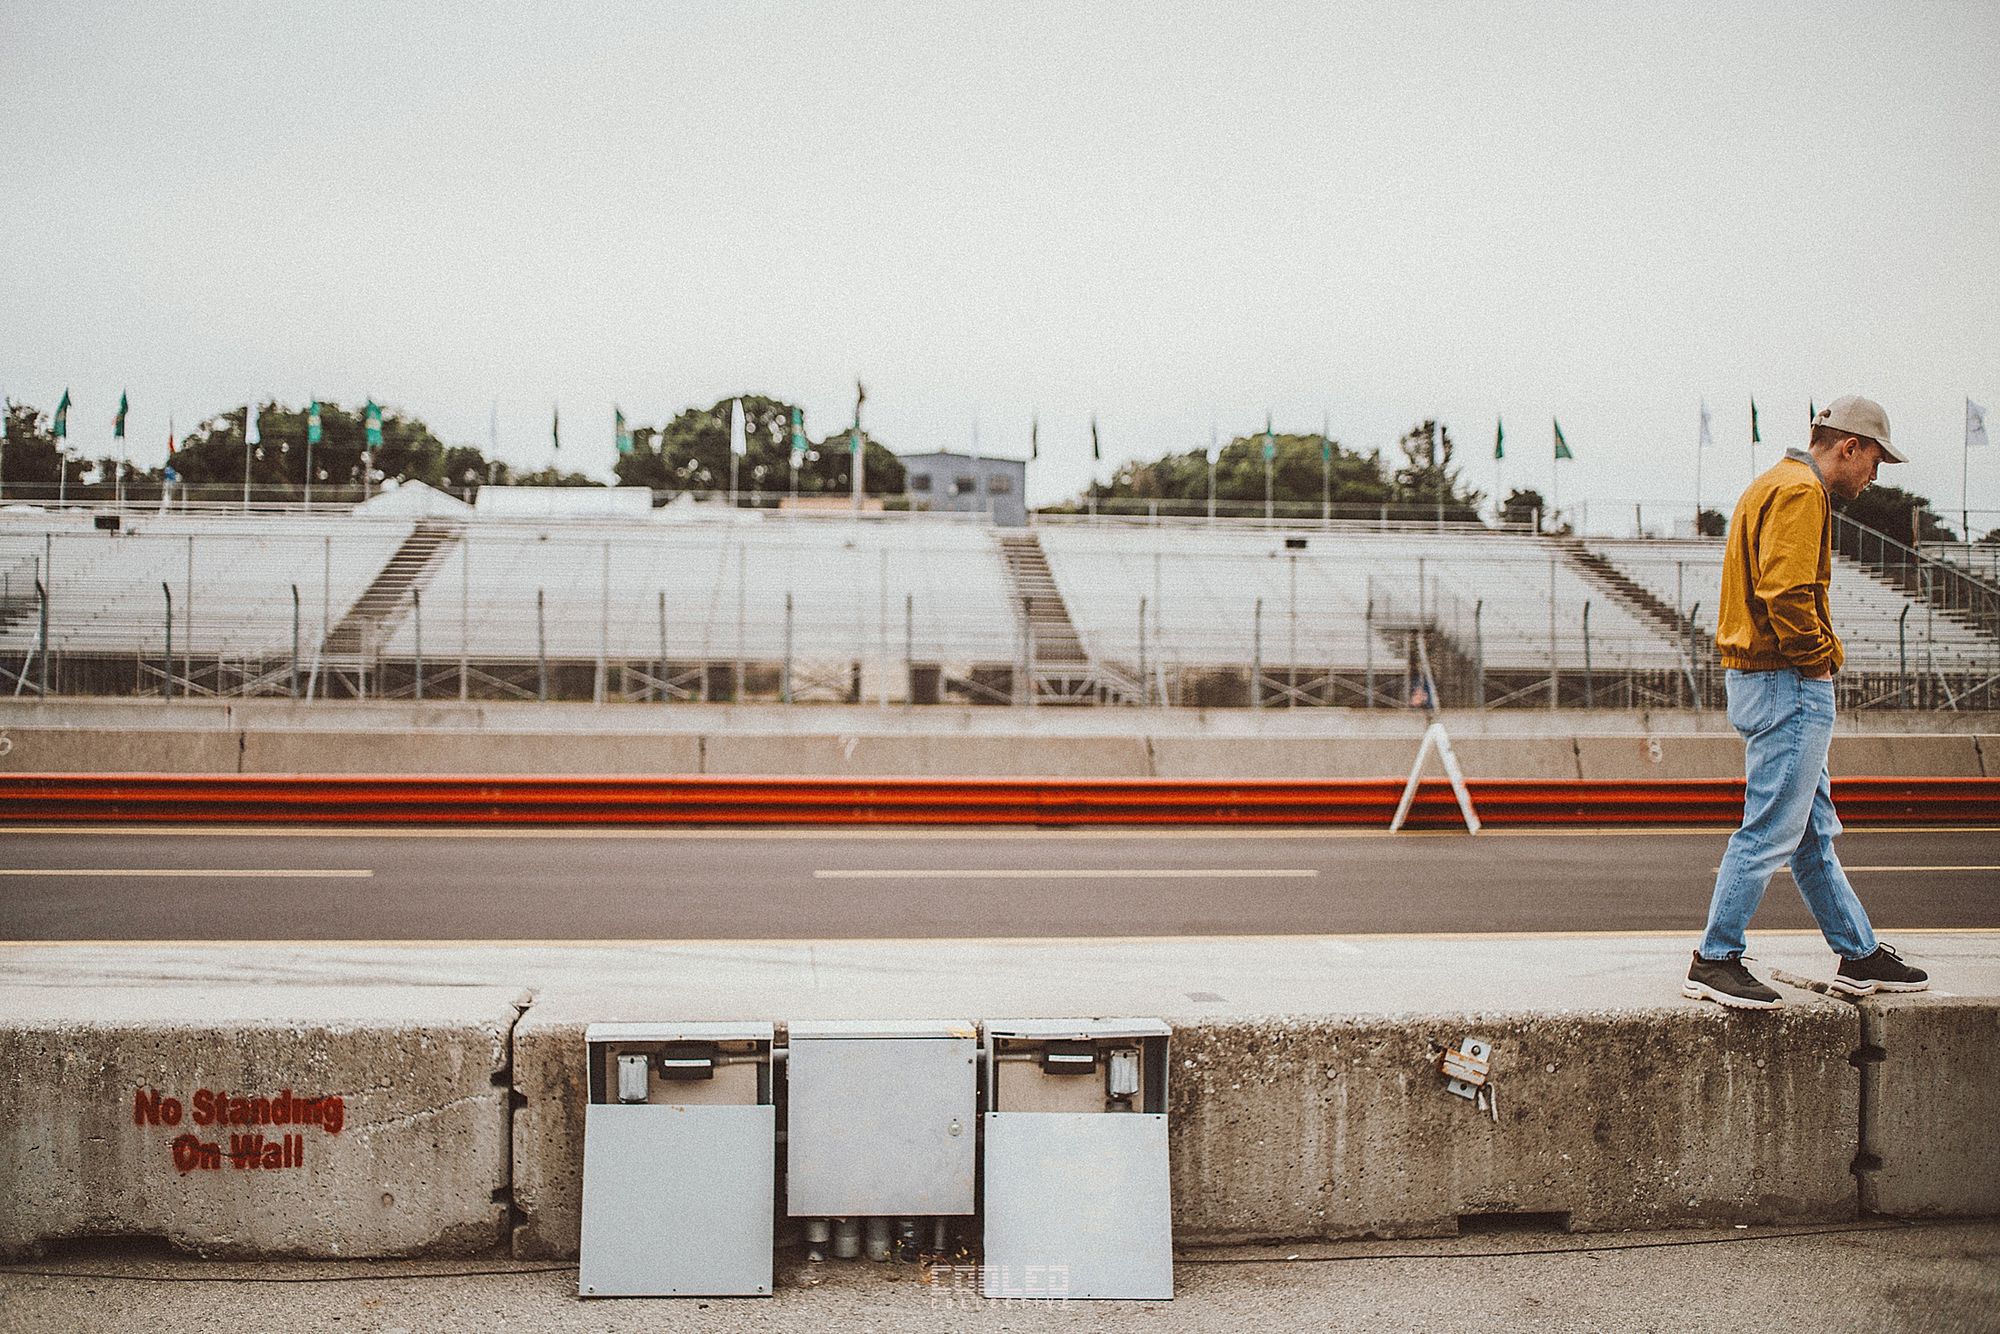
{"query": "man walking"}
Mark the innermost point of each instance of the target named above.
(1777, 642)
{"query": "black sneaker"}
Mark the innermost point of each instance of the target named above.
(1728, 982)
(1884, 970)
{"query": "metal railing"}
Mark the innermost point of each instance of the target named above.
(201, 607)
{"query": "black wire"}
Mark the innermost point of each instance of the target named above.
(1558, 1250)
(1662, 1244)
(275, 1278)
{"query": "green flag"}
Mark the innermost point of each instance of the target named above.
(118, 426)
(1034, 437)
(623, 436)
(1499, 439)
(1812, 412)
(798, 436)
(1270, 441)
(1325, 442)
(372, 418)
(312, 423)
(1562, 445)
(1755, 439)
(62, 417)
(1096, 450)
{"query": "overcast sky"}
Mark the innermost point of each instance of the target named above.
(1166, 215)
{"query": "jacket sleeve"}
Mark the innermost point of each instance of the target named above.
(1787, 573)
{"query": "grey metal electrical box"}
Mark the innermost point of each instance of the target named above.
(1077, 1200)
(880, 1117)
(679, 1161)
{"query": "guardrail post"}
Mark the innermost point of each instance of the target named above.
(167, 678)
(910, 651)
(541, 652)
(666, 695)
(295, 635)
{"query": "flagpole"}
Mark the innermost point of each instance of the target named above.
(1325, 469)
(1211, 474)
(1965, 484)
(249, 429)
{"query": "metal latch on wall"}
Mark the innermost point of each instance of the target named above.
(1468, 1073)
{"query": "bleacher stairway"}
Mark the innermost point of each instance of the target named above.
(1062, 671)
(1638, 599)
(386, 601)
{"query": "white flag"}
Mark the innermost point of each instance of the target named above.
(1706, 438)
(1975, 424)
(250, 433)
(737, 444)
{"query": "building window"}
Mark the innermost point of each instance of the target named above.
(965, 485)
(1001, 485)
(920, 481)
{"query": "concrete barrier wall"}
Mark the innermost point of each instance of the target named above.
(351, 1123)
(1592, 758)
(1329, 1128)
(1299, 1127)
(1930, 1090)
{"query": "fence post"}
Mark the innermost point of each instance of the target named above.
(295, 635)
(1589, 682)
(1028, 643)
(1257, 655)
(666, 695)
(910, 651)
(1145, 694)
(464, 615)
(42, 594)
(785, 681)
(601, 686)
(167, 680)
(541, 652)
(417, 624)
(1903, 659)
(1368, 644)
(1478, 656)
(1554, 669)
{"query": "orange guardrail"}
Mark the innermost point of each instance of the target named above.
(513, 799)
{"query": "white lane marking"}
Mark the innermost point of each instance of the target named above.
(932, 942)
(1064, 873)
(187, 872)
(1786, 870)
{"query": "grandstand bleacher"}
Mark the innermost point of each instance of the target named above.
(1234, 613)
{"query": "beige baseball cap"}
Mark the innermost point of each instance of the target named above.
(1864, 417)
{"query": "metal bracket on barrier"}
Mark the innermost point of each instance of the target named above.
(1468, 1074)
(1434, 736)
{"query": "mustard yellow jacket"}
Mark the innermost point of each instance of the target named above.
(1775, 570)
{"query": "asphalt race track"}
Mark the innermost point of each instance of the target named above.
(153, 884)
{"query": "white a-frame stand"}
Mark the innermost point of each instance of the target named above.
(1434, 736)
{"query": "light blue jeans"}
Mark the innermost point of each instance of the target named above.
(1787, 723)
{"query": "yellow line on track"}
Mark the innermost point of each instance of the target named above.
(912, 832)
